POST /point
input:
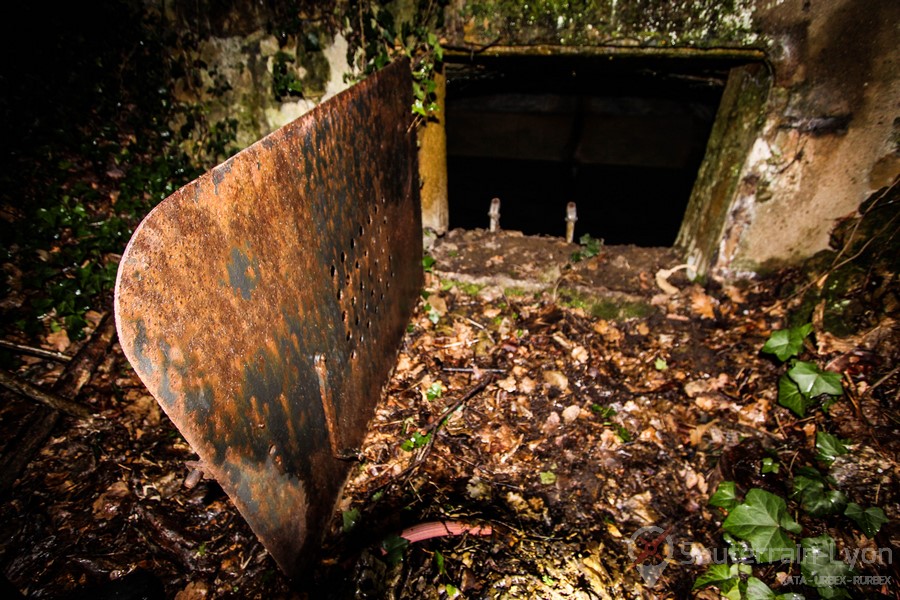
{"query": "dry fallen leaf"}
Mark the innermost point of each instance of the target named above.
(557, 380)
(438, 304)
(699, 431)
(107, 505)
(693, 479)
(708, 403)
(609, 331)
(734, 294)
(702, 304)
(610, 439)
(699, 386)
(508, 384)
(650, 434)
(755, 414)
(93, 318)
(491, 312)
(196, 590)
(527, 385)
(403, 365)
(639, 505)
(551, 424)
(571, 413)
(579, 354)
(59, 340)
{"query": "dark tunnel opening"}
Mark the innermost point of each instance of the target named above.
(623, 137)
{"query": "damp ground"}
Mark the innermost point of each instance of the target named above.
(557, 421)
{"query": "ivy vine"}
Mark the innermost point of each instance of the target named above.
(378, 35)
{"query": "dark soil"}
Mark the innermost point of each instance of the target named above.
(593, 414)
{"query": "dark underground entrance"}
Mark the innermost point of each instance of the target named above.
(622, 136)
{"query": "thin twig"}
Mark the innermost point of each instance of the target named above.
(471, 370)
(455, 406)
(28, 390)
(858, 223)
(476, 324)
(32, 351)
(883, 379)
(432, 430)
(835, 265)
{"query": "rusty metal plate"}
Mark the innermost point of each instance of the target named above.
(263, 305)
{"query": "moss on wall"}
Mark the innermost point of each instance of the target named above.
(316, 71)
(652, 23)
(707, 219)
(827, 140)
(257, 65)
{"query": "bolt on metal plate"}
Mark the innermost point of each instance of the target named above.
(263, 305)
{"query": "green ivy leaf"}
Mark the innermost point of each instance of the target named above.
(813, 381)
(762, 520)
(548, 477)
(734, 589)
(789, 396)
(393, 547)
(869, 520)
(716, 575)
(591, 247)
(831, 502)
(757, 590)
(739, 551)
(726, 577)
(604, 412)
(819, 568)
(435, 390)
(811, 489)
(786, 343)
(350, 519)
(829, 447)
(769, 465)
(414, 442)
(725, 496)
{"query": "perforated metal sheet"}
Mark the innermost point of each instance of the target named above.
(263, 304)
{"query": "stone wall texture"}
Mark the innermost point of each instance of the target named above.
(828, 135)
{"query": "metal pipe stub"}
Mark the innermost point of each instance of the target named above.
(263, 304)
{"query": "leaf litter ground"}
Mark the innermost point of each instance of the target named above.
(552, 429)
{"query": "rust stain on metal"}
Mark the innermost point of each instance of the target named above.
(331, 420)
(263, 304)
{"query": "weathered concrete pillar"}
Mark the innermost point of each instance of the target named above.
(710, 210)
(433, 164)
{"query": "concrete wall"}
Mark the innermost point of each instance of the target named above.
(832, 128)
(236, 47)
(829, 130)
(827, 134)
